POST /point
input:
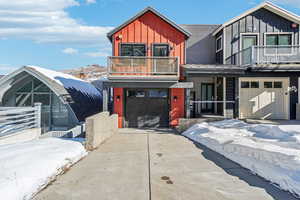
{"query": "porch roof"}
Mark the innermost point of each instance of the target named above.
(164, 84)
(213, 69)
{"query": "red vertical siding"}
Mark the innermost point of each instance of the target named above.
(149, 29)
(118, 105)
(177, 106)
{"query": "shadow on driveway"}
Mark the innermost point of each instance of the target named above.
(236, 170)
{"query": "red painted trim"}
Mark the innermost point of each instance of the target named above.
(118, 105)
(177, 105)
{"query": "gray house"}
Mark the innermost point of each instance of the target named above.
(248, 67)
(66, 100)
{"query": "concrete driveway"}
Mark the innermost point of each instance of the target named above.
(158, 165)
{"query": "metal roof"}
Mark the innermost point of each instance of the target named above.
(83, 98)
(185, 32)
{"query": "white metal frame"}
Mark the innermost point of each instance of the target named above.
(221, 48)
(241, 42)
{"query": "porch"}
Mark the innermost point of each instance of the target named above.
(214, 94)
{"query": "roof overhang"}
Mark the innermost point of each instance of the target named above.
(176, 26)
(193, 69)
(269, 6)
(125, 84)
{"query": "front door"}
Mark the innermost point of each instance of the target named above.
(247, 42)
(207, 94)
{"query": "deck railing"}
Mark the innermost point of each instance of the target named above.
(143, 66)
(263, 55)
(16, 119)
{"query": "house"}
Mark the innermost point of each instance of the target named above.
(66, 100)
(145, 70)
(255, 70)
(248, 67)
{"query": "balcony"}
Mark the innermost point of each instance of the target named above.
(143, 68)
(266, 55)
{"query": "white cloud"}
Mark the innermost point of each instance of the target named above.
(70, 51)
(46, 21)
(5, 69)
(90, 1)
(97, 54)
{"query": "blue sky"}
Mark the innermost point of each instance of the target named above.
(62, 34)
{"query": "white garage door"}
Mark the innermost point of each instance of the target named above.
(264, 98)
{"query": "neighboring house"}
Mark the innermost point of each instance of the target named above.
(256, 70)
(248, 67)
(66, 100)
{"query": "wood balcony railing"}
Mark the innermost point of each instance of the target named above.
(266, 55)
(122, 67)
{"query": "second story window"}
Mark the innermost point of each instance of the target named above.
(162, 50)
(278, 39)
(133, 49)
(219, 45)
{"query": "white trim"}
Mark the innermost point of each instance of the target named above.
(269, 6)
(241, 42)
(221, 48)
(277, 33)
(224, 47)
(224, 96)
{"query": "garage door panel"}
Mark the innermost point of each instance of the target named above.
(264, 103)
(147, 111)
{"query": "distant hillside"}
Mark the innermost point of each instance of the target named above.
(88, 73)
(1, 76)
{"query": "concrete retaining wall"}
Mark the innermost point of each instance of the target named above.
(22, 136)
(99, 128)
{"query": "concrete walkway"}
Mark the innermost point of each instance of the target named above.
(158, 165)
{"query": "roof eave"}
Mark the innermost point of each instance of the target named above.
(112, 32)
(267, 5)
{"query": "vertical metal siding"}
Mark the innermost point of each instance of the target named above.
(261, 21)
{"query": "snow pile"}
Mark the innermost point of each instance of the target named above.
(271, 151)
(25, 168)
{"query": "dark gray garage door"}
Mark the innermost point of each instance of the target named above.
(147, 108)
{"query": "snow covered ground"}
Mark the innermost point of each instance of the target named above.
(271, 151)
(27, 167)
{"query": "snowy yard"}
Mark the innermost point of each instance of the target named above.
(271, 151)
(27, 167)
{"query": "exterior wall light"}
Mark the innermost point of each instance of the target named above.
(118, 98)
(119, 37)
(175, 98)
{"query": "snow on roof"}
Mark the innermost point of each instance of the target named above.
(68, 81)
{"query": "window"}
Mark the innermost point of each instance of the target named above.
(161, 50)
(277, 84)
(254, 84)
(278, 39)
(245, 84)
(268, 84)
(158, 94)
(136, 93)
(133, 50)
(219, 45)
